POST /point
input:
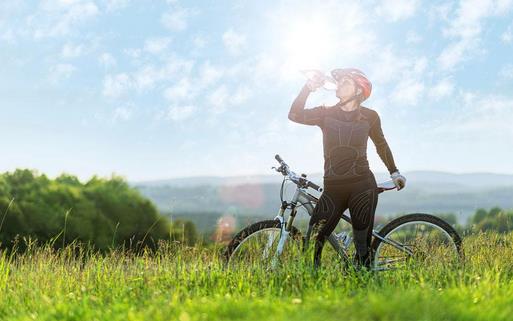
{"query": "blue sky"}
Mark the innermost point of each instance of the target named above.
(162, 89)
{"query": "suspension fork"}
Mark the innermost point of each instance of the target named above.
(270, 238)
(285, 226)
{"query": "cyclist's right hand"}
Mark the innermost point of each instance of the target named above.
(316, 78)
(313, 85)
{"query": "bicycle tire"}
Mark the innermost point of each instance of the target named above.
(248, 231)
(417, 217)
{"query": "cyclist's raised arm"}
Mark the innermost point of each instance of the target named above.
(384, 152)
(298, 113)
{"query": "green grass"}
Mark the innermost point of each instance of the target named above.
(180, 283)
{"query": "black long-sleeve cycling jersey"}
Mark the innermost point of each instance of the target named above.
(345, 136)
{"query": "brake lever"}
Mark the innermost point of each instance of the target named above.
(279, 169)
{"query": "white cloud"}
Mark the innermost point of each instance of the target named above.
(241, 95)
(199, 42)
(388, 66)
(146, 77)
(60, 17)
(187, 88)
(443, 88)
(420, 65)
(440, 11)
(394, 10)
(454, 53)
(271, 133)
(506, 71)
(182, 90)
(466, 28)
(407, 92)
(113, 5)
(209, 74)
(132, 53)
(122, 114)
(8, 36)
(71, 51)
(179, 113)
(507, 35)
(222, 97)
(117, 85)
(219, 99)
(156, 45)
(176, 19)
(107, 60)
(61, 72)
(482, 118)
(234, 41)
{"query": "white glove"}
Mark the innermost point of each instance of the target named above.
(399, 180)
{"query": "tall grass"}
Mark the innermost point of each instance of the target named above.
(191, 283)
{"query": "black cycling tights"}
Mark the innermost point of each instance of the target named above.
(361, 198)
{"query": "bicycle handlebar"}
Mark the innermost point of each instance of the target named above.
(314, 186)
(302, 181)
(299, 180)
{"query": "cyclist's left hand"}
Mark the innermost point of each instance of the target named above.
(399, 180)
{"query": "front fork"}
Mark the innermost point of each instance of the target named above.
(285, 229)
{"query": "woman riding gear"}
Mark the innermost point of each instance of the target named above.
(348, 181)
(361, 199)
(345, 136)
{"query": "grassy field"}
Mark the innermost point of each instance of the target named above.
(180, 283)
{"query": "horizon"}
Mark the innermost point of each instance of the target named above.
(82, 179)
(87, 91)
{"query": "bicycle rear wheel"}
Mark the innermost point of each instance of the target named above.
(416, 239)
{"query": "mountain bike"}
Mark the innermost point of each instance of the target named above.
(408, 239)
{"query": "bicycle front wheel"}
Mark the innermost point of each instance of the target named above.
(416, 239)
(257, 246)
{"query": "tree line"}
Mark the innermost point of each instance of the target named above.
(109, 213)
(104, 212)
(495, 219)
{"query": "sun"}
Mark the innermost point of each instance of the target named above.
(308, 43)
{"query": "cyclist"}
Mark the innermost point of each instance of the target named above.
(348, 181)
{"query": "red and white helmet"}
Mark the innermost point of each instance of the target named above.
(358, 77)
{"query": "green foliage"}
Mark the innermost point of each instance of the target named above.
(183, 283)
(184, 231)
(103, 212)
(496, 219)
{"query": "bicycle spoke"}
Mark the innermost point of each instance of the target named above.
(268, 246)
(415, 242)
(260, 250)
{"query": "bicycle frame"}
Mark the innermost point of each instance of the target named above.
(302, 197)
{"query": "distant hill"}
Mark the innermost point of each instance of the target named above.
(258, 195)
(466, 180)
